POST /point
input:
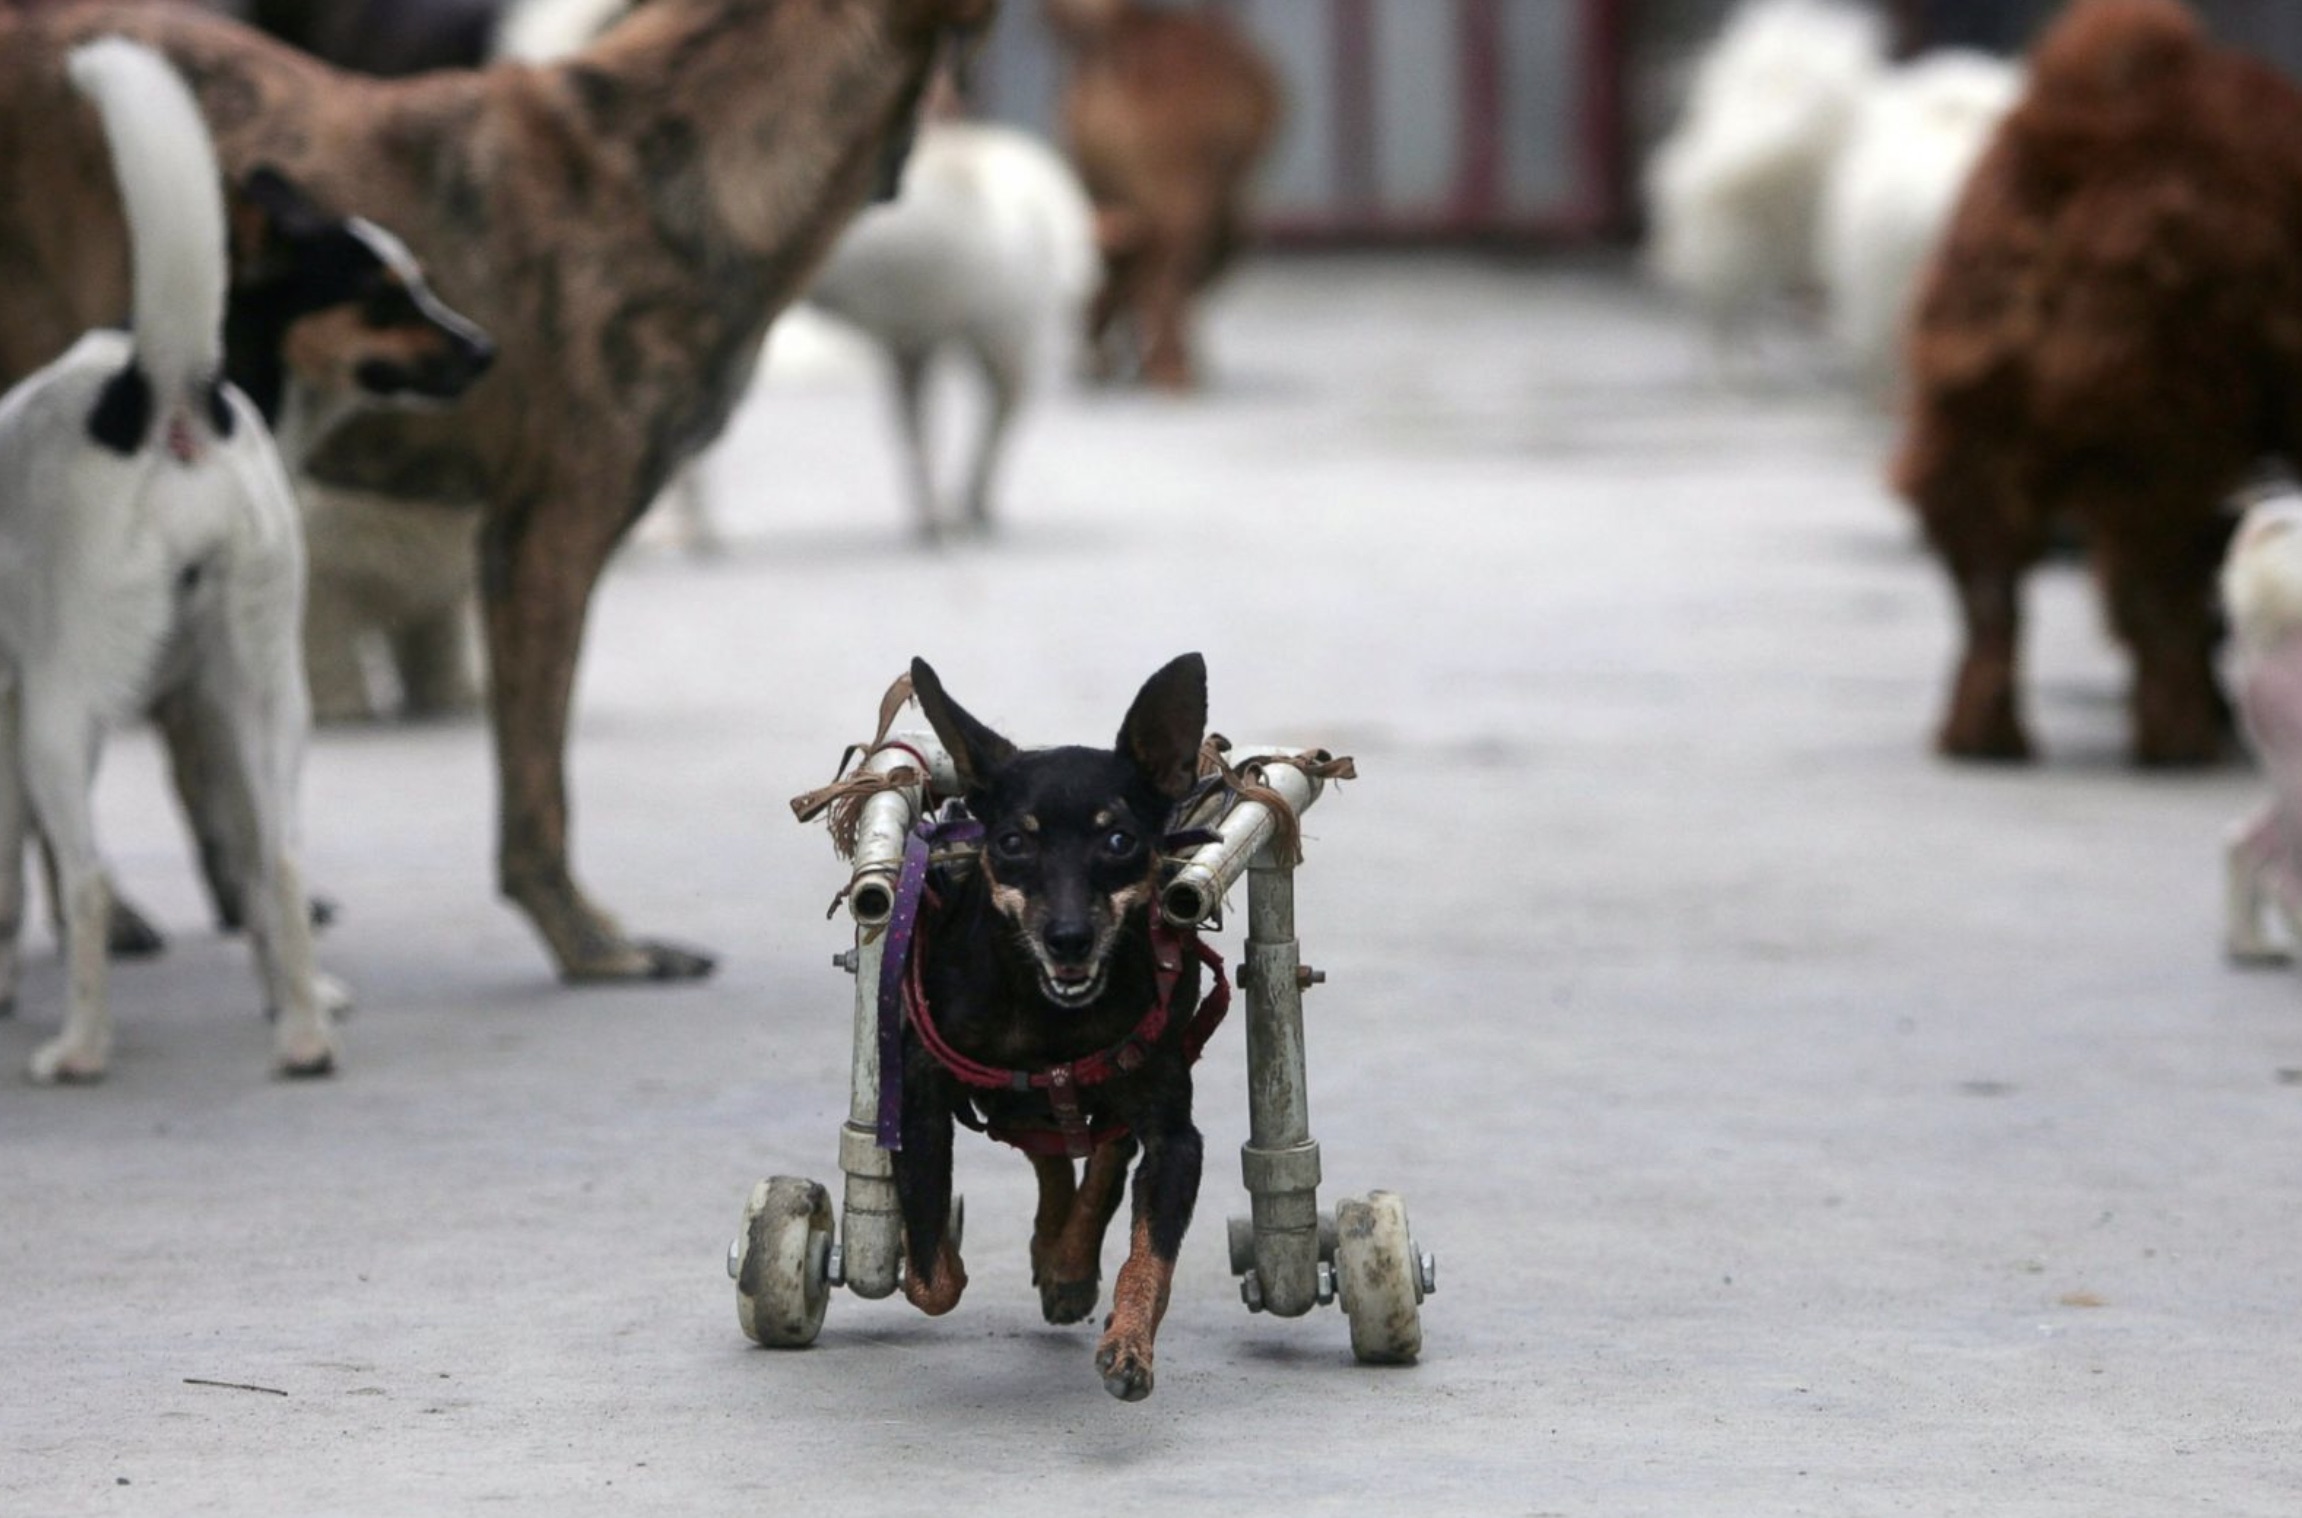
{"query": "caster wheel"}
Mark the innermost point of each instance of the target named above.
(1381, 1278)
(781, 1262)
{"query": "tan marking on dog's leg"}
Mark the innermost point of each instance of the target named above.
(1073, 1276)
(1138, 1302)
(950, 1280)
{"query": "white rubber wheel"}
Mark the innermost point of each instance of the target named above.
(783, 1257)
(1379, 1278)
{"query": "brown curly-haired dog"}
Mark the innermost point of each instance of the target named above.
(2112, 336)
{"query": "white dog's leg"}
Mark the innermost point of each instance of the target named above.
(1003, 375)
(265, 722)
(268, 723)
(12, 841)
(2250, 856)
(58, 748)
(911, 413)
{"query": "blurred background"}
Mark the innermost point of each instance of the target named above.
(1424, 120)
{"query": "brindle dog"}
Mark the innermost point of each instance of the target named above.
(626, 224)
(1040, 955)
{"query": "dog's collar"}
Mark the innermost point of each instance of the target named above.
(1073, 1135)
(903, 999)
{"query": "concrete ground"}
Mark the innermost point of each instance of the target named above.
(1803, 1125)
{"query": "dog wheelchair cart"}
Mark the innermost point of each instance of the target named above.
(1289, 1256)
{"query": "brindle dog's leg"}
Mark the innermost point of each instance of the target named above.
(1067, 1244)
(540, 560)
(1166, 1188)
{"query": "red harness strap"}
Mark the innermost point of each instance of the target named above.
(1073, 1135)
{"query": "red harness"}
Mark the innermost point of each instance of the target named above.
(1073, 1135)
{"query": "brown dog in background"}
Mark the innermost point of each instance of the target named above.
(2111, 336)
(625, 224)
(1167, 113)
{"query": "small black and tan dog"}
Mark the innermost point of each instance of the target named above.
(1038, 1009)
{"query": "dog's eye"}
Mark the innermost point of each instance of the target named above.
(1119, 843)
(1012, 844)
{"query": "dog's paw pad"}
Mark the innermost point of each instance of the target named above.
(1068, 1301)
(1126, 1371)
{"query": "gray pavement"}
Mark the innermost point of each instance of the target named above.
(1803, 1126)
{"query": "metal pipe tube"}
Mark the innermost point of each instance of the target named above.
(871, 1223)
(1197, 888)
(887, 820)
(1280, 1160)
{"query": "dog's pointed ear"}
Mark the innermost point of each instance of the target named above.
(976, 751)
(269, 211)
(1164, 727)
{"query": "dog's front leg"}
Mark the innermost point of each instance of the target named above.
(58, 751)
(541, 558)
(2251, 854)
(1067, 1245)
(933, 1278)
(1166, 1189)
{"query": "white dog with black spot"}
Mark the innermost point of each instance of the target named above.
(149, 541)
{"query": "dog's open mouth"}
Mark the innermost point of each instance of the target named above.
(1070, 985)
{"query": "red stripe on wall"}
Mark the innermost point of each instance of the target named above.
(1602, 139)
(1479, 123)
(1354, 40)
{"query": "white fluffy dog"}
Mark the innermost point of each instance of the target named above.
(1733, 193)
(989, 250)
(2262, 591)
(149, 542)
(1890, 192)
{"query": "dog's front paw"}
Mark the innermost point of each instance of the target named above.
(1068, 1301)
(68, 1062)
(1125, 1363)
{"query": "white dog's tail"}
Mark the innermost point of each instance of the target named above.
(173, 194)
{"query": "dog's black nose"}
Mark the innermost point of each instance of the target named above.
(478, 353)
(1070, 942)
